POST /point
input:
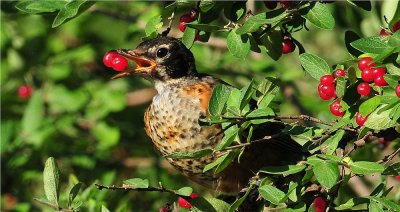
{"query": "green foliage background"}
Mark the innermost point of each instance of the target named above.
(81, 118)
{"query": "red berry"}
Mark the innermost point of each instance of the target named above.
(287, 46)
(286, 4)
(397, 90)
(108, 58)
(24, 91)
(185, 18)
(183, 203)
(194, 14)
(319, 204)
(383, 32)
(380, 81)
(360, 120)
(270, 4)
(396, 26)
(339, 73)
(376, 72)
(120, 63)
(363, 89)
(182, 26)
(335, 108)
(327, 80)
(365, 63)
(193, 195)
(367, 75)
(326, 92)
(398, 177)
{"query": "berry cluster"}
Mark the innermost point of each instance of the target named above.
(115, 61)
(183, 203)
(369, 74)
(285, 4)
(186, 18)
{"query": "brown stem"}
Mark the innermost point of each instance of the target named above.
(129, 188)
(389, 157)
(266, 138)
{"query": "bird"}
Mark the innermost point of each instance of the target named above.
(172, 121)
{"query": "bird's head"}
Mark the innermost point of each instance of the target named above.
(160, 59)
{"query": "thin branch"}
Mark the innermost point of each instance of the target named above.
(290, 117)
(170, 18)
(358, 143)
(51, 205)
(389, 157)
(129, 188)
(266, 138)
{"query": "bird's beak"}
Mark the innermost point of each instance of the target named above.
(144, 66)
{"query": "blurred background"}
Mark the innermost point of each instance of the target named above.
(93, 126)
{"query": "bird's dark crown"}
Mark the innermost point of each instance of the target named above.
(173, 60)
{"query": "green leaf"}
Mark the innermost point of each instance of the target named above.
(188, 37)
(320, 16)
(366, 167)
(221, 163)
(393, 169)
(226, 161)
(374, 45)
(291, 193)
(185, 155)
(51, 177)
(104, 209)
(206, 5)
(273, 43)
(330, 145)
(340, 86)
(370, 105)
(233, 103)
(73, 193)
(380, 121)
(205, 27)
(137, 183)
(153, 25)
(33, 115)
(69, 10)
(284, 170)
(230, 135)
(392, 80)
(208, 204)
(352, 202)
(271, 194)
(326, 172)
(374, 207)
(34, 6)
(387, 203)
(185, 191)
(246, 93)
(218, 99)
(255, 22)
(238, 45)
(239, 201)
(314, 65)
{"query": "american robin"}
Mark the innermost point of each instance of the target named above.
(172, 119)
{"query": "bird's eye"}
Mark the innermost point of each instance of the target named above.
(161, 52)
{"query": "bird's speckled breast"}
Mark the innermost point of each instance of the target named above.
(172, 122)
